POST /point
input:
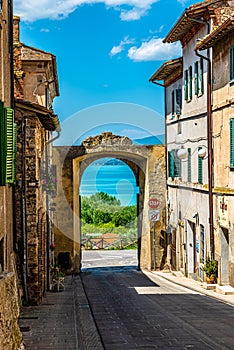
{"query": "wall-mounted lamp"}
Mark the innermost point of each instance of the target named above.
(202, 152)
(182, 153)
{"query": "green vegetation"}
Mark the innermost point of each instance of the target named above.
(102, 213)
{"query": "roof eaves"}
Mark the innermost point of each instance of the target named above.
(186, 22)
(167, 69)
(216, 35)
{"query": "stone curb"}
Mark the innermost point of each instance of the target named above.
(198, 289)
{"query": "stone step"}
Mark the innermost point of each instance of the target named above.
(225, 290)
(209, 286)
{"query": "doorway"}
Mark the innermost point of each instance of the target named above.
(224, 262)
(191, 247)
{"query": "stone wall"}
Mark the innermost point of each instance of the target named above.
(10, 336)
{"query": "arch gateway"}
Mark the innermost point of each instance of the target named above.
(148, 166)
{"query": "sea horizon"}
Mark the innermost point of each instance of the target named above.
(115, 180)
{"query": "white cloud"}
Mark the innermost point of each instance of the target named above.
(31, 10)
(119, 48)
(154, 50)
(132, 15)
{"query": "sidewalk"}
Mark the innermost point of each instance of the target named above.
(196, 286)
(62, 322)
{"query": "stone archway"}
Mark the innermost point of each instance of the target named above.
(148, 166)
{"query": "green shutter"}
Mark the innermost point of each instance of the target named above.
(171, 162)
(2, 146)
(9, 122)
(196, 84)
(186, 84)
(200, 168)
(232, 143)
(173, 102)
(190, 82)
(201, 76)
(177, 170)
(14, 152)
(189, 164)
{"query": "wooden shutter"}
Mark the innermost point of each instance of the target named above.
(2, 146)
(190, 82)
(186, 84)
(14, 152)
(9, 122)
(178, 101)
(189, 164)
(232, 143)
(177, 170)
(200, 168)
(201, 76)
(196, 82)
(171, 163)
(173, 102)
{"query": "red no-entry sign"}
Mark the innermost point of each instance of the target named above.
(153, 203)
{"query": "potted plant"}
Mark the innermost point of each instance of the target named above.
(211, 270)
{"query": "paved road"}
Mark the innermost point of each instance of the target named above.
(102, 258)
(137, 311)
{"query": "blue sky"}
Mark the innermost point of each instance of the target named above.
(106, 52)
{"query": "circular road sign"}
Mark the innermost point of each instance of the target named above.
(153, 203)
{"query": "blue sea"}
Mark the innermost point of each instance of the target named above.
(112, 177)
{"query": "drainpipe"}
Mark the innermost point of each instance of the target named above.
(48, 222)
(210, 151)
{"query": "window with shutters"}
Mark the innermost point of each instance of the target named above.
(232, 143)
(174, 164)
(200, 166)
(189, 165)
(196, 81)
(8, 146)
(232, 63)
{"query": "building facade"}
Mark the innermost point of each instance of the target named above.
(36, 85)
(199, 141)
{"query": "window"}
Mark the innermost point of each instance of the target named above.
(176, 102)
(232, 63)
(196, 81)
(200, 166)
(189, 165)
(232, 143)
(8, 145)
(174, 164)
